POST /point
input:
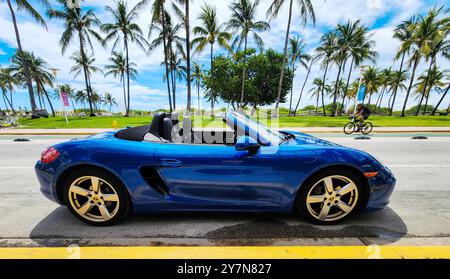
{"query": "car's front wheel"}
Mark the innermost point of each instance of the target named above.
(330, 196)
(96, 197)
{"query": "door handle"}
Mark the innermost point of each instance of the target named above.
(170, 162)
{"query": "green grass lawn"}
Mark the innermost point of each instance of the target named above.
(301, 121)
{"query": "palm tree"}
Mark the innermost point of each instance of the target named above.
(24, 5)
(243, 23)
(403, 32)
(371, 79)
(125, 30)
(298, 55)
(306, 12)
(81, 97)
(7, 82)
(197, 77)
(441, 99)
(431, 79)
(109, 100)
(424, 33)
(210, 32)
(177, 70)
(80, 24)
(326, 51)
(167, 35)
(359, 46)
(71, 94)
(397, 82)
(385, 79)
(316, 91)
(84, 63)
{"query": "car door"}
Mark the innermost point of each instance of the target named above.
(219, 176)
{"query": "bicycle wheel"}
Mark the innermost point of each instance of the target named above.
(367, 128)
(349, 128)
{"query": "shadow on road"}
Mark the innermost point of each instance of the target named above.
(220, 229)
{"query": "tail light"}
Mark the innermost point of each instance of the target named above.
(49, 155)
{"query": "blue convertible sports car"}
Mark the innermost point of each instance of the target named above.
(164, 168)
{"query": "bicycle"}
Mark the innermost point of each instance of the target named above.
(365, 128)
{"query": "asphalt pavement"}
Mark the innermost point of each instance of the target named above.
(419, 213)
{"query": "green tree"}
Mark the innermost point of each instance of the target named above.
(243, 23)
(79, 24)
(210, 32)
(24, 5)
(124, 29)
(371, 79)
(264, 68)
(306, 12)
(397, 82)
(318, 87)
(85, 64)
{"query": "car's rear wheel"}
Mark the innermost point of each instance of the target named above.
(96, 197)
(330, 196)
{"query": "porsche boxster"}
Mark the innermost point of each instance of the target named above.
(167, 166)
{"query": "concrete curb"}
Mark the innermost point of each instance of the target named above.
(307, 130)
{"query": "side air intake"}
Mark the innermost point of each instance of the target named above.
(154, 180)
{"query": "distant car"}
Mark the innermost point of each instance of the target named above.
(162, 168)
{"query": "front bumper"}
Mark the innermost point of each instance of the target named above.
(381, 188)
(45, 174)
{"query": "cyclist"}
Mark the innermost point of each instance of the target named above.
(362, 114)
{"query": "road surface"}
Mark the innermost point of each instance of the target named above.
(419, 212)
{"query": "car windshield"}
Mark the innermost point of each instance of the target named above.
(243, 124)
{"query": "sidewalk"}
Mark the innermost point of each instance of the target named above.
(312, 130)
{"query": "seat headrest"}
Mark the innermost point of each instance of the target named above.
(167, 129)
(156, 128)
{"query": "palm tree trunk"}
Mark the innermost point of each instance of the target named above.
(322, 93)
(348, 82)
(317, 102)
(285, 54)
(394, 95)
(212, 80)
(425, 87)
(25, 62)
(86, 78)
(163, 20)
(416, 62)
(292, 89)
(241, 103)
(303, 86)
(440, 101)
(336, 88)
(188, 56)
(7, 101)
(426, 103)
(124, 91)
(128, 75)
(48, 100)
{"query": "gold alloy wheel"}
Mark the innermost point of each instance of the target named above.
(93, 199)
(332, 198)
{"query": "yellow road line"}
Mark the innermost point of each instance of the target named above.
(253, 252)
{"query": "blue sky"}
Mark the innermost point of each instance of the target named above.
(148, 91)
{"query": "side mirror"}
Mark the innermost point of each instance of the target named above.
(246, 143)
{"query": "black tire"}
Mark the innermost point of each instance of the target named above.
(367, 128)
(301, 204)
(349, 128)
(124, 199)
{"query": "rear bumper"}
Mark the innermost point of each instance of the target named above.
(45, 175)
